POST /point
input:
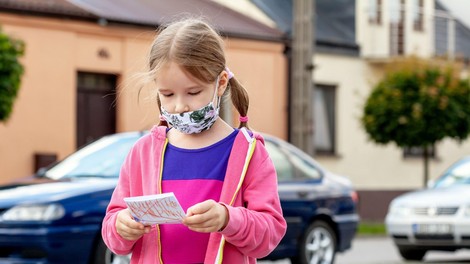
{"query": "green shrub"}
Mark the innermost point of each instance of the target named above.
(371, 228)
(417, 104)
(10, 73)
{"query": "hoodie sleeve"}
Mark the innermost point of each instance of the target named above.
(258, 227)
(111, 238)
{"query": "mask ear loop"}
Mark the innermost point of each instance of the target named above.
(215, 93)
(230, 76)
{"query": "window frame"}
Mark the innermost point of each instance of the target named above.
(375, 12)
(417, 152)
(329, 92)
(418, 15)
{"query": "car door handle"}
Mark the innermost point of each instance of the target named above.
(302, 194)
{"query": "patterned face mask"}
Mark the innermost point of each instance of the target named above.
(195, 121)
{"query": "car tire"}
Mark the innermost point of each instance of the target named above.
(102, 255)
(317, 245)
(410, 253)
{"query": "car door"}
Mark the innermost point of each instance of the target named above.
(297, 182)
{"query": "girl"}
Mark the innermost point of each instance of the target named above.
(223, 177)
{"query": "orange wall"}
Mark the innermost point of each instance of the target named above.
(44, 114)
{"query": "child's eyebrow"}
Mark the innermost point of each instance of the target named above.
(190, 88)
(160, 90)
(195, 87)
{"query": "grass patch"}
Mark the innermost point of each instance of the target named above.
(371, 228)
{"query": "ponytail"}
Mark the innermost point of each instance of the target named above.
(240, 100)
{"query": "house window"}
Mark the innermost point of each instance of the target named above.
(418, 15)
(397, 27)
(325, 119)
(397, 11)
(375, 12)
(417, 152)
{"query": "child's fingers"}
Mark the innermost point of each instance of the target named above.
(197, 219)
(126, 218)
(131, 233)
(200, 208)
(128, 228)
(208, 216)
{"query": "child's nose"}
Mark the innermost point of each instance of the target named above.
(181, 107)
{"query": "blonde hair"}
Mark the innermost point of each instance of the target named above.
(195, 46)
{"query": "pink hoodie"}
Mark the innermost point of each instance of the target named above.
(256, 224)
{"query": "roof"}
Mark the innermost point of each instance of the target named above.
(148, 13)
(335, 29)
(45, 7)
(462, 35)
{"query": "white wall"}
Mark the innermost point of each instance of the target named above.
(368, 165)
(374, 39)
(420, 43)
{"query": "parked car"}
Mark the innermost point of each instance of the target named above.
(55, 217)
(436, 218)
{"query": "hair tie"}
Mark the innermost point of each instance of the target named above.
(244, 119)
(230, 74)
(162, 118)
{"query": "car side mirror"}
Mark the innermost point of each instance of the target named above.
(41, 172)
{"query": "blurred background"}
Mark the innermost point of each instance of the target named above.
(80, 58)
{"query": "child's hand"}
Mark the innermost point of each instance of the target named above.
(208, 216)
(128, 228)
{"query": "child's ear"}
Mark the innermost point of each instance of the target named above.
(223, 83)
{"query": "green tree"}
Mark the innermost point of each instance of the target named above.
(10, 73)
(417, 104)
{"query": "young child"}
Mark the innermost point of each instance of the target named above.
(222, 176)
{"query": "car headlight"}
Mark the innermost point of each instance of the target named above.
(400, 211)
(34, 212)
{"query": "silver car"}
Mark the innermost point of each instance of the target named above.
(437, 218)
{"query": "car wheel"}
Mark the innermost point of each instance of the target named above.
(410, 253)
(102, 255)
(318, 245)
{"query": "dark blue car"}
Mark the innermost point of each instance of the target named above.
(55, 216)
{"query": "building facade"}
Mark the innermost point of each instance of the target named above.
(354, 41)
(81, 56)
(80, 66)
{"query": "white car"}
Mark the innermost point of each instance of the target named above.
(437, 218)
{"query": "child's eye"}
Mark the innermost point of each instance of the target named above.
(167, 95)
(194, 93)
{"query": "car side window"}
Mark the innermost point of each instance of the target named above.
(284, 169)
(304, 166)
(305, 169)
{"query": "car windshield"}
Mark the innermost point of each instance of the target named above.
(102, 158)
(457, 174)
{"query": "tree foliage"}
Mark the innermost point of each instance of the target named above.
(11, 71)
(417, 104)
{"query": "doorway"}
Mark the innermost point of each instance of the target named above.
(96, 106)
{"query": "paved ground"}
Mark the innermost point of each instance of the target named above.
(380, 250)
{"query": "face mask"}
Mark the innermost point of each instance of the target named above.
(195, 121)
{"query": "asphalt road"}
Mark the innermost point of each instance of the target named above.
(380, 250)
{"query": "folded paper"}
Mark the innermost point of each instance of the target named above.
(155, 209)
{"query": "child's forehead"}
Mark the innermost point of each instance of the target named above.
(172, 67)
(171, 74)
